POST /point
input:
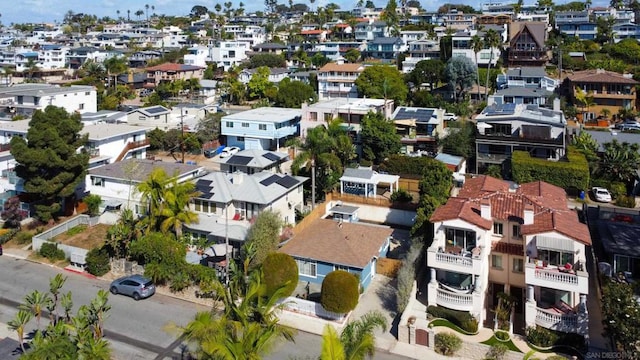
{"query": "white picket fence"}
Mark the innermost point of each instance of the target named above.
(75, 254)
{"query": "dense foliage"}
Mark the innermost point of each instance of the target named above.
(50, 251)
(571, 174)
(98, 261)
(407, 276)
(379, 138)
(292, 94)
(264, 236)
(460, 73)
(621, 316)
(382, 82)
(280, 270)
(12, 214)
(435, 188)
(339, 292)
(462, 319)
(48, 161)
(447, 343)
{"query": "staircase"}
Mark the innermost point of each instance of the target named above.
(131, 146)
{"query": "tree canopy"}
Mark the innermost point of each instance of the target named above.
(382, 82)
(427, 71)
(48, 160)
(292, 94)
(264, 236)
(268, 60)
(379, 137)
(461, 139)
(460, 74)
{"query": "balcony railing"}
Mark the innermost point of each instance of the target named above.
(492, 157)
(454, 259)
(556, 276)
(520, 139)
(471, 263)
(463, 302)
(554, 321)
(577, 281)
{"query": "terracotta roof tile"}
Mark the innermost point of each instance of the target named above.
(507, 248)
(173, 67)
(565, 222)
(457, 208)
(480, 185)
(342, 67)
(600, 76)
(352, 244)
(545, 194)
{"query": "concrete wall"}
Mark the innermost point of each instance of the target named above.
(381, 214)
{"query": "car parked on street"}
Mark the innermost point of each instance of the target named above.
(601, 194)
(450, 117)
(228, 151)
(136, 286)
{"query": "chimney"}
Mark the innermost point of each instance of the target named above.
(237, 178)
(556, 104)
(528, 214)
(485, 209)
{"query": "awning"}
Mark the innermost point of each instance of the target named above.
(218, 250)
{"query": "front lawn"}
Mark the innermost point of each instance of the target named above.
(84, 237)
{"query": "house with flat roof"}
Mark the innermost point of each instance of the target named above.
(505, 128)
(156, 116)
(337, 80)
(619, 231)
(364, 181)
(496, 237)
(171, 71)
(328, 245)
(262, 128)
(419, 127)
(25, 99)
(116, 183)
(253, 161)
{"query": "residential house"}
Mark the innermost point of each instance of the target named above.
(494, 19)
(458, 20)
(170, 72)
(261, 128)
(371, 29)
(457, 165)
(270, 48)
(318, 35)
(253, 161)
(367, 13)
(626, 31)
(337, 80)
(496, 237)
(576, 23)
(156, 116)
(503, 129)
(336, 50)
(621, 16)
(24, 59)
(134, 80)
(413, 35)
(252, 34)
(385, 48)
(328, 245)
(53, 56)
(76, 57)
(116, 183)
(275, 75)
(228, 202)
(140, 59)
(527, 44)
(610, 90)
(364, 181)
(226, 54)
(25, 99)
(424, 49)
(619, 232)
(524, 85)
(420, 128)
(461, 46)
(197, 56)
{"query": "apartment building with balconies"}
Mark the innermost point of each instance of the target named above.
(261, 128)
(497, 237)
(423, 49)
(337, 79)
(25, 99)
(371, 29)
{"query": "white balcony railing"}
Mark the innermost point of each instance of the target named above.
(471, 263)
(556, 276)
(454, 259)
(554, 321)
(451, 300)
(578, 281)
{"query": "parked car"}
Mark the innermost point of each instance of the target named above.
(228, 151)
(601, 194)
(136, 286)
(450, 117)
(629, 125)
(209, 153)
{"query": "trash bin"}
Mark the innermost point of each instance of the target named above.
(0, 249)
(582, 195)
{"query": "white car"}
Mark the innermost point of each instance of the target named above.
(228, 151)
(601, 194)
(450, 117)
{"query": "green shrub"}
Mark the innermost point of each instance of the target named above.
(51, 251)
(199, 273)
(407, 276)
(502, 335)
(497, 352)
(93, 204)
(626, 201)
(402, 196)
(365, 162)
(447, 343)
(23, 237)
(340, 292)
(76, 230)
(8, 235)
(541, 337)
(280, 270)
(180, 281)
(618, 189)
(571, 174)
(98, 261)
(462, 319)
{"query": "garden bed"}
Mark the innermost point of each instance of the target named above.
(84, 237)
(508, 343)
(450, 325)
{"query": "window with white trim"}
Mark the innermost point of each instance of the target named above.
(307, 268)
(97, 181)
(498, 229)
(262, 126)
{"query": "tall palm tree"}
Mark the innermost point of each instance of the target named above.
(477, 44)
(176, 210)
(152, 192)
(139, 13)
(493, 40)
(619, 161)
(35, 302)
(19, 323)
(128, 15)
(146, 7)
(356, 341)
(118, 13)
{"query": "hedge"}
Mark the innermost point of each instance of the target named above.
(51, 251)
(462, 319)
(572, 173)
(280, 270)
(98, 261)
(340, 292)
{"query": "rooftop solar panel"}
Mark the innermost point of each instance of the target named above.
(418, 114)
(239, 160)
(270, 180)
(204, 188)
(287, 181)
(155, 110)
(501, 109)
(271, 156)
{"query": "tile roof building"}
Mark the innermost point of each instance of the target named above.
(496, 236)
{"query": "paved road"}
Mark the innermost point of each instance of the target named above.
(137, 330)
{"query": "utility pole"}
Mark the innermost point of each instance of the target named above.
(182, 133)
(226, 243)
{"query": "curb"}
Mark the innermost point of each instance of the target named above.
(83, 273)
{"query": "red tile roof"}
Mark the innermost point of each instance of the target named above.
(600, 76)
(547, 201)
(352, 244)
(314, 32)
(173, 67)
(507, 248)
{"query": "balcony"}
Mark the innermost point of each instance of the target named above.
(557, 321)
(133, 145)
(509, 139)
(492, 158)
(471, 263)
(553, 278)
(455, 301)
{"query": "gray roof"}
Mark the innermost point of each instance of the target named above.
(142, 169)
(270, 46)
(603, 137)
(259, 159)
(105, 131)
(152, 110)
(620, 238)
(519, 91)
(386, 40)
(527, 71)
(265, 114)
(42, 89)
(344, 209)
(215, 225)
(361, 173)
(421, 115)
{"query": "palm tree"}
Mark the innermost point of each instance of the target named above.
(19, 323)
(67, 304)
(176, 210)
(36, 302)
(128, 15)
(152, 191)
(477, 44)
(619, 161)
(493, 40)
(356, 341)
(139, 13)
(146, 6)
(55, 284)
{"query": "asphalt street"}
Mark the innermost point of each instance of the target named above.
(137, 330)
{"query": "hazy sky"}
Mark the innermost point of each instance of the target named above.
(21, 11)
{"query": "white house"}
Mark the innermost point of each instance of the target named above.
(153, 117)
(25, 99)
(262, 128)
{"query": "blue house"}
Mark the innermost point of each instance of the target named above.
(328, 245)
(263, 128)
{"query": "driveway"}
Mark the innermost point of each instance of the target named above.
(380, 296)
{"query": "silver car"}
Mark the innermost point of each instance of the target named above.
(136, 286)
